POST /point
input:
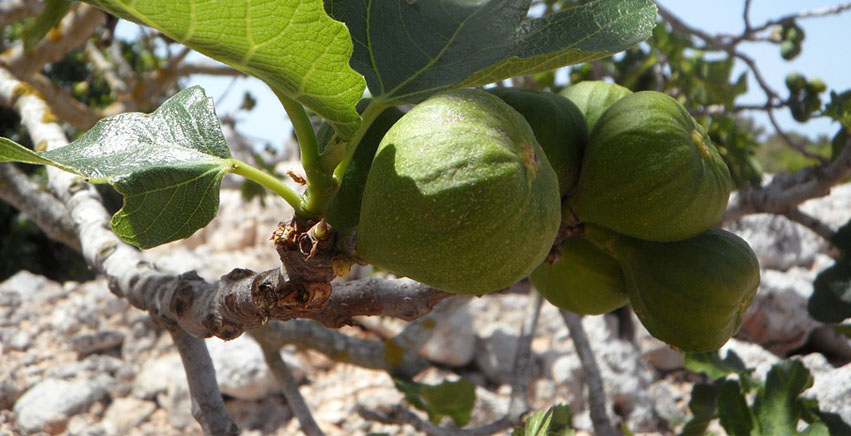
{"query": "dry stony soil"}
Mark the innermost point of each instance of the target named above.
(77, 360)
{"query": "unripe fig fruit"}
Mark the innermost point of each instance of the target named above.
(460, 196)
(790, 50)
(344, 211)
(795, 82)
(584, 280)
(558, 125)
(650, 171)
(816, 86)
(691, 294)
(594, 98)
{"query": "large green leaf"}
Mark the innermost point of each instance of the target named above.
(409, 49)
(168, 165)
(292, 45)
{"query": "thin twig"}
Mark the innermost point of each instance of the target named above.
(289, 387)
(746, 16)
(792, 142)
(519, 403)
(207, 405)
(819, 12)
(596, 394)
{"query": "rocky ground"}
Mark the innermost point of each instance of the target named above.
(76, 360)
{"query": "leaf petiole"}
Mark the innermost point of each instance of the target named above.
(271, 183)
(370, 113)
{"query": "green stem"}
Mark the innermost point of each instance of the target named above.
(319, 195)
(268, 181)
(320, 182)
(370, 113)
(303, 131)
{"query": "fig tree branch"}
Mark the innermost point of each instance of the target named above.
(818, 12)
(289, 387)
(810, 222)
(718, 42)
(12, 11)
(786, 191)
(105, 68)
(73, 31)
(208, 408)
(45, 210)
(518, 403)
(596, 393)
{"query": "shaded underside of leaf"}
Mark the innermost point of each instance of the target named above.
(292, 45)
(408, 50)
(168, 203)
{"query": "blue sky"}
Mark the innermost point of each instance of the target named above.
(826, 54)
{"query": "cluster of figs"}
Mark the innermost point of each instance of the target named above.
(601, 196)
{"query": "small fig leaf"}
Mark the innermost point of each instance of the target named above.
(711, 364)
(703, 406)
(168, 165)
(777, 407)
(555, 421)
(454, 399)
(733, 411)
(408, 50)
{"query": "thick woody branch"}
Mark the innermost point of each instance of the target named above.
(786, 191)
(45, 210)
(207, 405)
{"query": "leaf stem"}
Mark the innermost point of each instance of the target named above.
(268, 181)
(370, 113)
(304, 133)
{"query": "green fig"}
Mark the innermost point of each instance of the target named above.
(460, 196)
(558, 126)
(650, 171)
(584, 279)
(594, 98)
(691, 294)
(795, 82)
